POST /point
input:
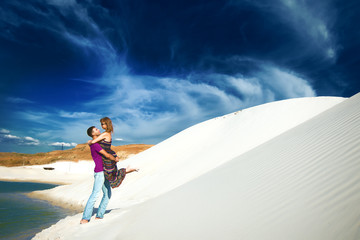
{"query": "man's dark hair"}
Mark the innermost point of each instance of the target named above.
(89, 131)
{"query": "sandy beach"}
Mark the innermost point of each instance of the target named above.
(282, 170)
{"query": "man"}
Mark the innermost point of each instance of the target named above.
(99, 180)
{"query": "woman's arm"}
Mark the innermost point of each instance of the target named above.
(99, 138)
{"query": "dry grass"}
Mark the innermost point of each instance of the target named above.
(80, 152)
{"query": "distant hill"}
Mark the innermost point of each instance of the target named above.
(80, 152)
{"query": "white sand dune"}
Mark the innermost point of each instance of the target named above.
(303, 184)
(199, 149)
(284, 170)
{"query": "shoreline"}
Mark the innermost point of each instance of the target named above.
(58, 203)
(33, 181)
(38, 194)
(24, 216)
(37, 174)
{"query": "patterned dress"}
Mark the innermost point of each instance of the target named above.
(111, 172)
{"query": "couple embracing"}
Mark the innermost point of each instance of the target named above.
(106, 173)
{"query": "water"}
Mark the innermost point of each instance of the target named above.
(22, 217)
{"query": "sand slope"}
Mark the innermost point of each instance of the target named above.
(304, 184)
(263, 173)
(198, 150)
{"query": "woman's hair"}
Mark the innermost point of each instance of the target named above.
(109, 126)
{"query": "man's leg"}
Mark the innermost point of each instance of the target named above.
(105, 199)
(98, 183)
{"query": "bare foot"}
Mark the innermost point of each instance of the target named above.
(83, 221)
(129, 169)
(97, 218)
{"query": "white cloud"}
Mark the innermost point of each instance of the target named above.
(52, 21)
(11, 136)
(78, 115)
(313, 22)
(31, 141)
(52, 124)
(35, 116)
(62, 3)
(145, 112)
(331, 53)
(12, 139)
(63, 144)
(4, 131)
(285, 84)
(18, 100)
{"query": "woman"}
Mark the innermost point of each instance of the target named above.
(111, 172)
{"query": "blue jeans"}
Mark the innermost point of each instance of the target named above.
(99, 183)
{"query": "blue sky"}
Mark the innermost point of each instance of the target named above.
(158, 67)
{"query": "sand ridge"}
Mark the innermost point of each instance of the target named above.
(302, 184)
(283, 170)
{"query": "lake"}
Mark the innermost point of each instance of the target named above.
(22, 217)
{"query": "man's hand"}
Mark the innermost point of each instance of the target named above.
(107, 155)
(117, 159)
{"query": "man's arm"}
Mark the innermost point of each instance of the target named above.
(109, 156)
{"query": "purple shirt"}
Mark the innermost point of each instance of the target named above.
(95, 149)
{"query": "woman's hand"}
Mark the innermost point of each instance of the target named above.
(90, 142)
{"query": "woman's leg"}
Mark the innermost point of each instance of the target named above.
(129, 169)
(98, 183)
